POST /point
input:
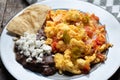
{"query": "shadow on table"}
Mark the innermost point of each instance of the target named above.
(4, 74)
(116, 76)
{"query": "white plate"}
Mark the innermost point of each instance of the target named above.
(103, 72)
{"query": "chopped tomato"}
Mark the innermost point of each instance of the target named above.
(100, 39)
(95, 45)
(89, 31)
(86, 68)
(101, 27)
(53, 45)
(55, 39)
(95, 17)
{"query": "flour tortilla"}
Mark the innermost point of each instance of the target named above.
(31, 20)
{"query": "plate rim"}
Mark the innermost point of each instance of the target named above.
(39, 3)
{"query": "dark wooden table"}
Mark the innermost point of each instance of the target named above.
(8, 8)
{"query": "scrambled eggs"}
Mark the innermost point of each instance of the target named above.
(77, 40)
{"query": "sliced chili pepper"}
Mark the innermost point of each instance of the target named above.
(66, 37)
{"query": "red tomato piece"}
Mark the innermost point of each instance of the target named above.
(86, 68)
(95, 17)
(100, 39)
(89, 31)
(53, 45)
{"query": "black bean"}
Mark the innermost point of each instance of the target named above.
(48, 71)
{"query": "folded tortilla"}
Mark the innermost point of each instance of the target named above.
(31, 20)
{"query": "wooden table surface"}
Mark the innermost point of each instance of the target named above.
(8, 8)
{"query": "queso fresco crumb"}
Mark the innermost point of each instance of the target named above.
(30, 47)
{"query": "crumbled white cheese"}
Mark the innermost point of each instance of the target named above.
(21, 52)
(46, 48)
(36, 52)
(41, 38)
(39, 60)
(28, 59)
(30, 47)
(41, 55)
(15, 38)
(27, 53)
(38, 43)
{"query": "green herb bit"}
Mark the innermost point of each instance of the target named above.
(66, 37)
